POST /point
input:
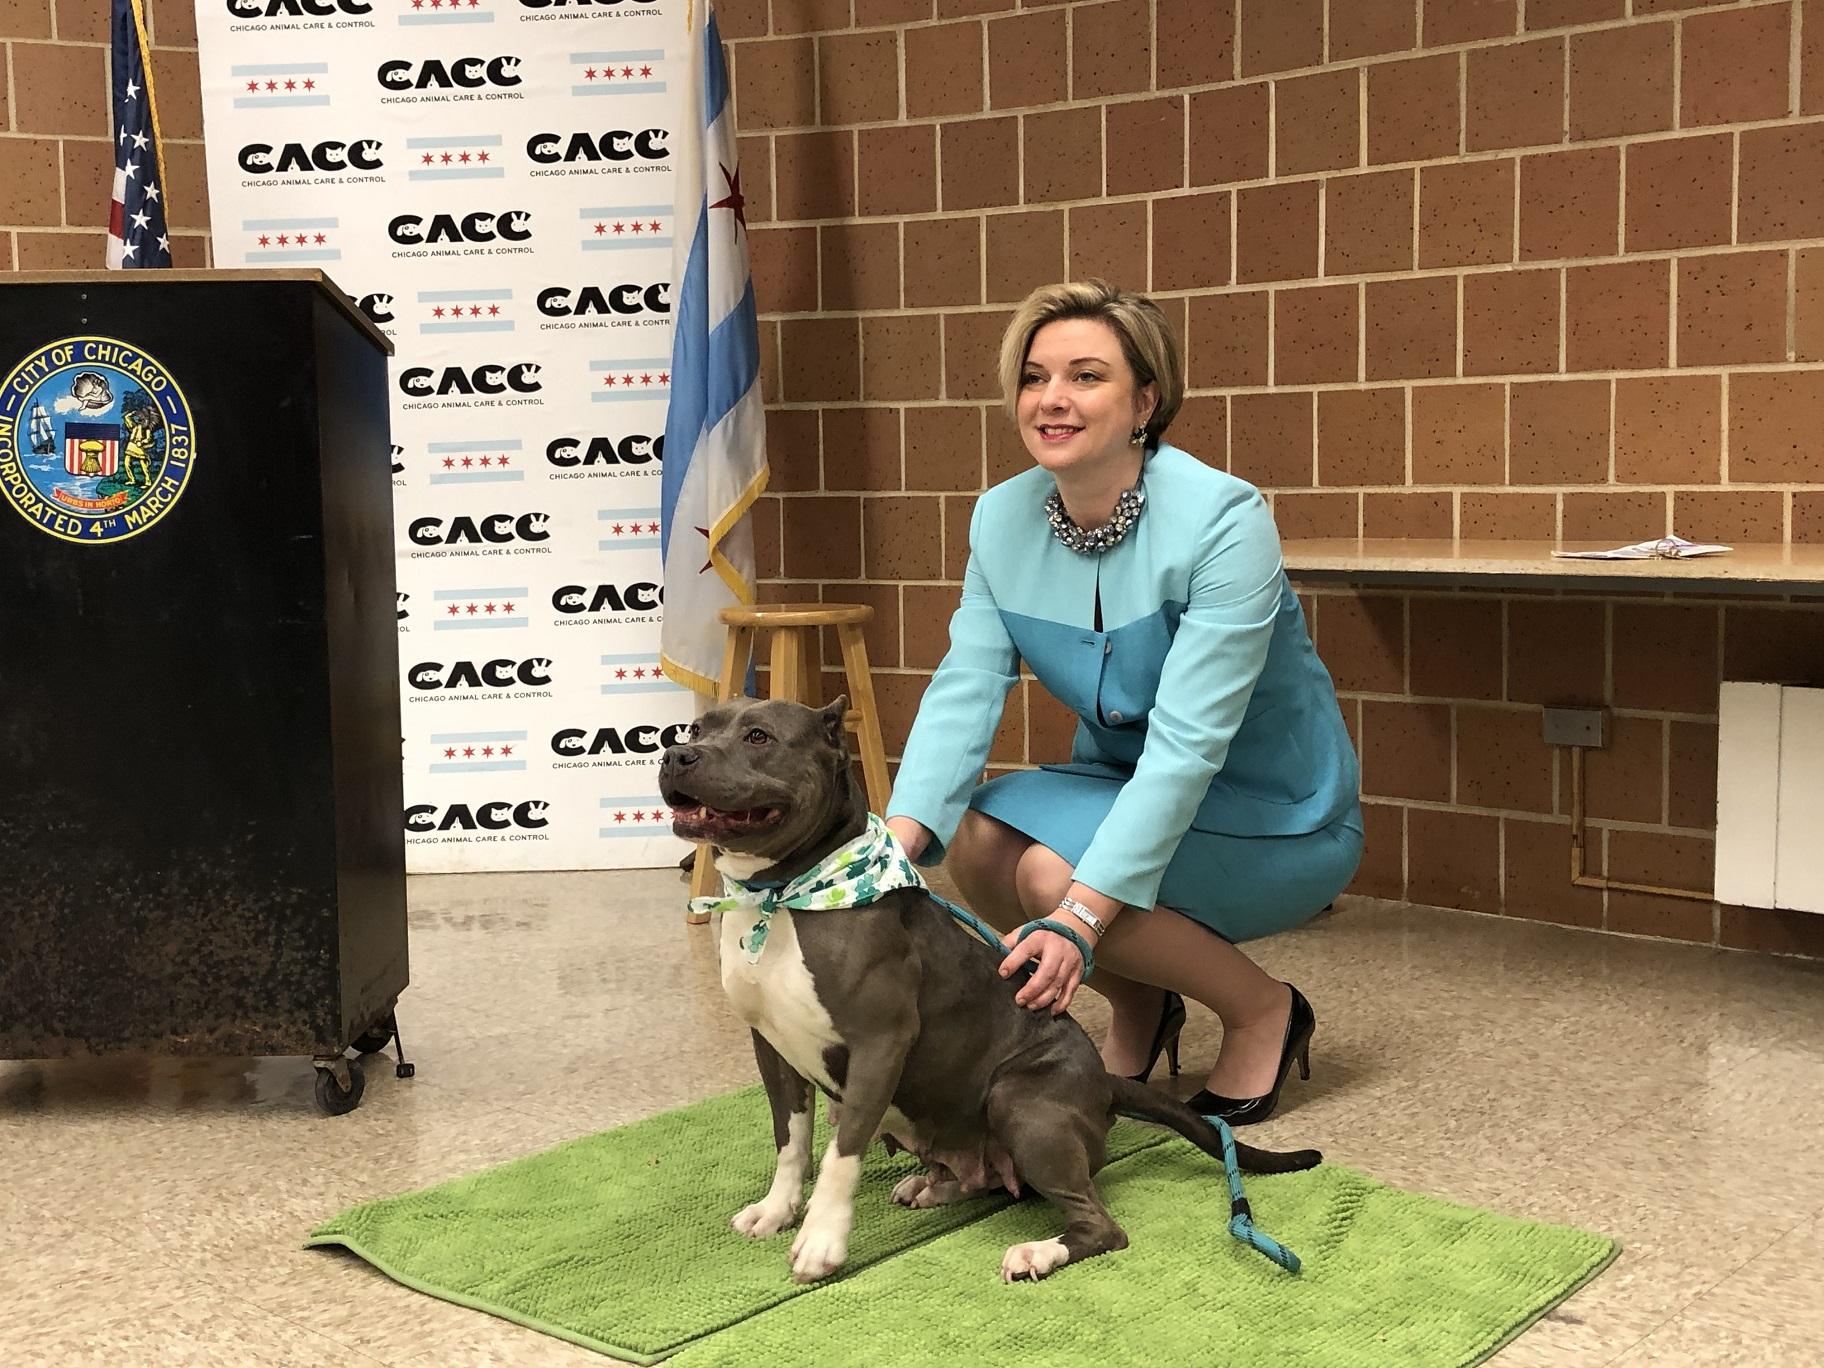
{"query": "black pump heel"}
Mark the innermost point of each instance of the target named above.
(1248, 1111)
(1171, 1026)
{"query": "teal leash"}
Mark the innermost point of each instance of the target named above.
(1241, 1214)
(993, 937)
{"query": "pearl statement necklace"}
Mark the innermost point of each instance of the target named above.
(1094, 541)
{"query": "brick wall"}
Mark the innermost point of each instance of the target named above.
(56, 165)
(1516, 268)
(1498, 267)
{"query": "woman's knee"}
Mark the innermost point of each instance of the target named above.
(984, 858)
(1043, 876)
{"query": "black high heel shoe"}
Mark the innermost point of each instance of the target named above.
(1171, 1025)
(1247, 1111)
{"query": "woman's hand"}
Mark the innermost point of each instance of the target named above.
(912, 836)
(1060, 968)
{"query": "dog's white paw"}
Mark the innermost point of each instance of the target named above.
(765, 1217)
(819, 1250)
(1033, 1260)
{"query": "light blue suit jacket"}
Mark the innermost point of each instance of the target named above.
(1203, 690)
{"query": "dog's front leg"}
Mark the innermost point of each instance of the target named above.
(873, 1078)
(790, 1096)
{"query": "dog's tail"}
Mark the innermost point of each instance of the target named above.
(1142, 1103)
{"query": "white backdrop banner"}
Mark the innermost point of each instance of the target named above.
(492, 181)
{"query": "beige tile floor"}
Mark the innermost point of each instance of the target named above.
(151, 1210)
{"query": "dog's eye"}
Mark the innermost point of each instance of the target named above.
(756, 737)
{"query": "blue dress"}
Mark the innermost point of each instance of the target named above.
(1211, 771)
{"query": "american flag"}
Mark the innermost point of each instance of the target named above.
(136, 221)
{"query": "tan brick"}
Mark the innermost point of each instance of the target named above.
(29, 170)
(1191, 241)
(896, 169)
(1276, 231)
(1621, 80)
(1228, 339)
(1196, 41)
(1317, 119)
(858, 77)
(1570, 203)
(1734, 66)
(1368, 224)
(1465, 21)
(1780, 191)
(1459, 434)
(1515, 95)
(1776, 426)
(1558, 432)
(1024, 252)
(1510, 322)
(1502, 761)
(1369, 28)
(814, 174)
(1361, 436)
(1145, 145)
(1230, 134)
(1456, 647)
(861, 449)
(1679, 192)
(981, 162)
(1414, 109)
(1412, 328)
(1271, 438)
(860, 265)
(1732, 308)
(1027, 60)
(1281, 35)
(1407, 513)
(59, 88)
(943, 262)
(1406, 750)
(821, 359)
(1617, 315)
(1110, 241)
(1668, 429)
(1316, 334)
(773, 83)
(944, 70)
(1063, 154)
(1111, 48)
(1466, 214)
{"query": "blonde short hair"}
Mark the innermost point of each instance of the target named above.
(1146, 341)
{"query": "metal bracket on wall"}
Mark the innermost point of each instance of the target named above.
(1583, 880)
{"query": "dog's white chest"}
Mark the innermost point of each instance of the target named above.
(777, 996)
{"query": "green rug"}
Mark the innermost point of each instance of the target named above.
(620, 1242)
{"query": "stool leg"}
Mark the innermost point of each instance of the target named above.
(861, 686)
(735, 653)
(704, 880)
(788, 664)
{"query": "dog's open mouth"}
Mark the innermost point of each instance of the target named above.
(701, 822)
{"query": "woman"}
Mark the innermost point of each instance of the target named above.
(1212, 786)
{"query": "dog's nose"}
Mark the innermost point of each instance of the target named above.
(680, 757)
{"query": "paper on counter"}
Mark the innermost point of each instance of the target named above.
(1662, 548)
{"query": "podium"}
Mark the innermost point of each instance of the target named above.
(200, 778)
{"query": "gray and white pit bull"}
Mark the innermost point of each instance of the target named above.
(896, 1013)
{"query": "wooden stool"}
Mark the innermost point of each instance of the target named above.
(792, 627)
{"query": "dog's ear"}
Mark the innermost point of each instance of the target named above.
(829, 720)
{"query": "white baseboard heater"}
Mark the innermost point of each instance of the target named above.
(1770, 797)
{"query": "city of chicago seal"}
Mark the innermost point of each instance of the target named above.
(96, 441)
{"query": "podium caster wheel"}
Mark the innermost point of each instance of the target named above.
(404, 1070)
(335, 1099)
(374, 1041)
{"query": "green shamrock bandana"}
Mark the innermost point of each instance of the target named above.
(852, 875)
